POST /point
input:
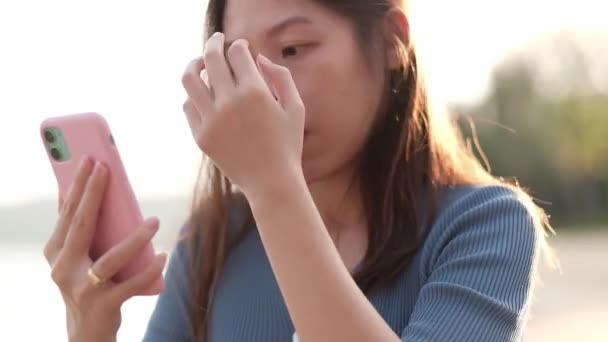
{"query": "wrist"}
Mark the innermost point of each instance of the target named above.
(94, 335)
(281, 186)
(93, 338)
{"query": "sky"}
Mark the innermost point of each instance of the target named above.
(124, 59)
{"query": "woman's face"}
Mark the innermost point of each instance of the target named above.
(340, 90)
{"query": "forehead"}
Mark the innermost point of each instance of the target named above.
(251, 18)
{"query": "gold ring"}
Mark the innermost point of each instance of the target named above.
(95, 280)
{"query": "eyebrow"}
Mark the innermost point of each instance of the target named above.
(281, 26)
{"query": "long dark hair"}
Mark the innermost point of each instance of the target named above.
(410, 152)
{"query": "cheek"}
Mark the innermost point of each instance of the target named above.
(341, 103)
(340, 110)
(331, 90)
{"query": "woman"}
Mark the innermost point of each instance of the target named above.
(336, 205)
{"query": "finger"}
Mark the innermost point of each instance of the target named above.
(283, 84)
(59, 203)
(116, 258)
(68, 208)
(268, 83)
(194, 118)
(140, 282)
(243, 65)
(218, 71)
(195, 86)
(83, 224)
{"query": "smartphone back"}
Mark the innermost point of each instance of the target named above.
(67, 139)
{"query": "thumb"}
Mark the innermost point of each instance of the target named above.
(281, 84)
(60, 202)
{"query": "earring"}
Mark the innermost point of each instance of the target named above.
(395, 80)
(395, 91)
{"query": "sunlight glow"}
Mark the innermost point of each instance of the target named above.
(125, 58)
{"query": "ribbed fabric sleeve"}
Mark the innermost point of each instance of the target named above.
(480, 266)
(169, 321)
(470, 281)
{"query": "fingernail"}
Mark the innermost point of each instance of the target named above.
(242, 41)
(263, 58)
(153, 224)
(85, 162)
(100, 169)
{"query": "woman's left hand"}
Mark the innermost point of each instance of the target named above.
(251, 135)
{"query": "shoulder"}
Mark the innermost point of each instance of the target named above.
(460, 198)
(191, 238)
(478, 266)
(497, 221)
(486, 205)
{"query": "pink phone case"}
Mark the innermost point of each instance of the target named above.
(89, 134)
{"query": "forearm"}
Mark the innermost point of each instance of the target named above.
(110, 338)
(323, 300)
(100, 333)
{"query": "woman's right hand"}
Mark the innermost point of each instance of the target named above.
(93, 312)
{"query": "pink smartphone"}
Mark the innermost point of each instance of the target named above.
(67, 139)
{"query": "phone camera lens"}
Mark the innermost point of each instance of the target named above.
(50, 137)
(55, 154)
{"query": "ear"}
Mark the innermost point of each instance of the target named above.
(396, 30)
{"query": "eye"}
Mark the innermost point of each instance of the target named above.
(290, 51)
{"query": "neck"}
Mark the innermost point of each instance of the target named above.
(338, 199)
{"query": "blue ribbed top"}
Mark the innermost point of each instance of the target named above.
(470, 281)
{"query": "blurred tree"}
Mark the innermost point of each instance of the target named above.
(547, 126)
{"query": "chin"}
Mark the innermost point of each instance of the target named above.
(315, 171)
(309, 175)
(312, 171)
